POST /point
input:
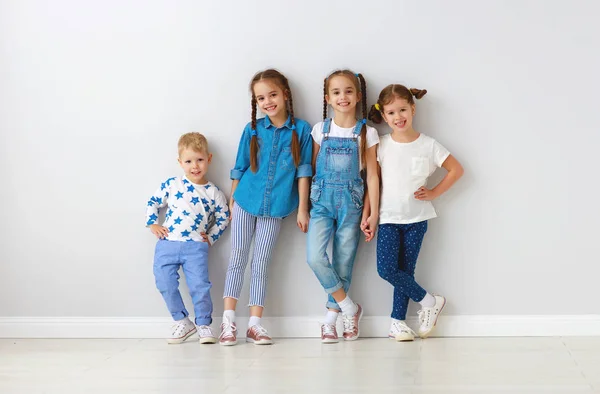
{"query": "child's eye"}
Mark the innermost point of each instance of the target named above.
(402, 110)
(259, 99)
(188, 161)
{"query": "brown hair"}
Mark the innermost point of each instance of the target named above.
(359, 83)
(281, 81)
(195, 141)
(391, 92)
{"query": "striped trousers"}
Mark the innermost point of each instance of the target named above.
(266, 230)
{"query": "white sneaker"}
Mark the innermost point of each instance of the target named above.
(206, 334)
(401, 332)
(181, 330)
(428, 316)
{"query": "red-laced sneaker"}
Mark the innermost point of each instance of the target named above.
(329, 333)
(181, 330)
(351, 330)
(258, 335)
(228, 335)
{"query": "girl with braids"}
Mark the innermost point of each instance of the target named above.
(342, 146)
(271, 178)
(406, 159)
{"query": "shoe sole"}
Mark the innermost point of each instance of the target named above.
(426, 334)
(358, 332)
(207, 340)
(229, 343)
(330, 340)
(177, 341)
(401, 339)
(261, 342)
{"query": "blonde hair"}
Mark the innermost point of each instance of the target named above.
(194, 141)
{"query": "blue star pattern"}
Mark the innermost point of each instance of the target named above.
(191, 209)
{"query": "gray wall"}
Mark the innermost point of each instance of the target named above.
(93, 96)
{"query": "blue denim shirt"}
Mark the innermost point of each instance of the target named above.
(273, 189)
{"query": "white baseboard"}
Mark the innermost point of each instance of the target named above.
(299, 327)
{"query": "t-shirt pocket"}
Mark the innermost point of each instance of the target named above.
(420, 166)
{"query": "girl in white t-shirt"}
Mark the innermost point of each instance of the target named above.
(406, 159)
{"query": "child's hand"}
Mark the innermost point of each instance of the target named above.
(364, 226)
(205, 238)
(369, 227)
(231, 209)
(302, 221)
(160, 231)
(425, 194)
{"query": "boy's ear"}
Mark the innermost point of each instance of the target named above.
(209, 158)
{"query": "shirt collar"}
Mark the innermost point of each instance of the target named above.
(288, 122)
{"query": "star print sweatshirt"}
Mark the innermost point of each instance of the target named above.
(191, 210)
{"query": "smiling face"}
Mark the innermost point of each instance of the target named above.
(271, 99)
(398, 114)
(195, 164)
(342, 94)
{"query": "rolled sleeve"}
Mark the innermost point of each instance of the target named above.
(236, 174)
(305, 168)
(242, 160)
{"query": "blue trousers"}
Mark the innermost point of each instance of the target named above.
(398, 247)
(193, 258)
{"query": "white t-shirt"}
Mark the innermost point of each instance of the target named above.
(341, 132)
(405, 167)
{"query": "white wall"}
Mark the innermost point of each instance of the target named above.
(93, 96)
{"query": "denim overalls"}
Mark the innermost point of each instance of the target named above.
(336, 195)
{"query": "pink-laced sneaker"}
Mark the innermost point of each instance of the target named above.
(228, 335)
(329, 333)
(351, 330)
(258, 335)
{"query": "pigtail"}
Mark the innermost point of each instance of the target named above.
(375, 114)
(324, 99)
(363, 130)
(254, 139)
(295, 141)
(418, 93)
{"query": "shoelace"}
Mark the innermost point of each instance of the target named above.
(348, 323)
(328, 329)
(401, 327)
(205, 331)
(227, 329)
(424, 315)
(178, 328)
(260, 331)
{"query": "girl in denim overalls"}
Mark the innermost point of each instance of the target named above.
(342, 146)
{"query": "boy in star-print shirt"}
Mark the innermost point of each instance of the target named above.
(197, 215)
